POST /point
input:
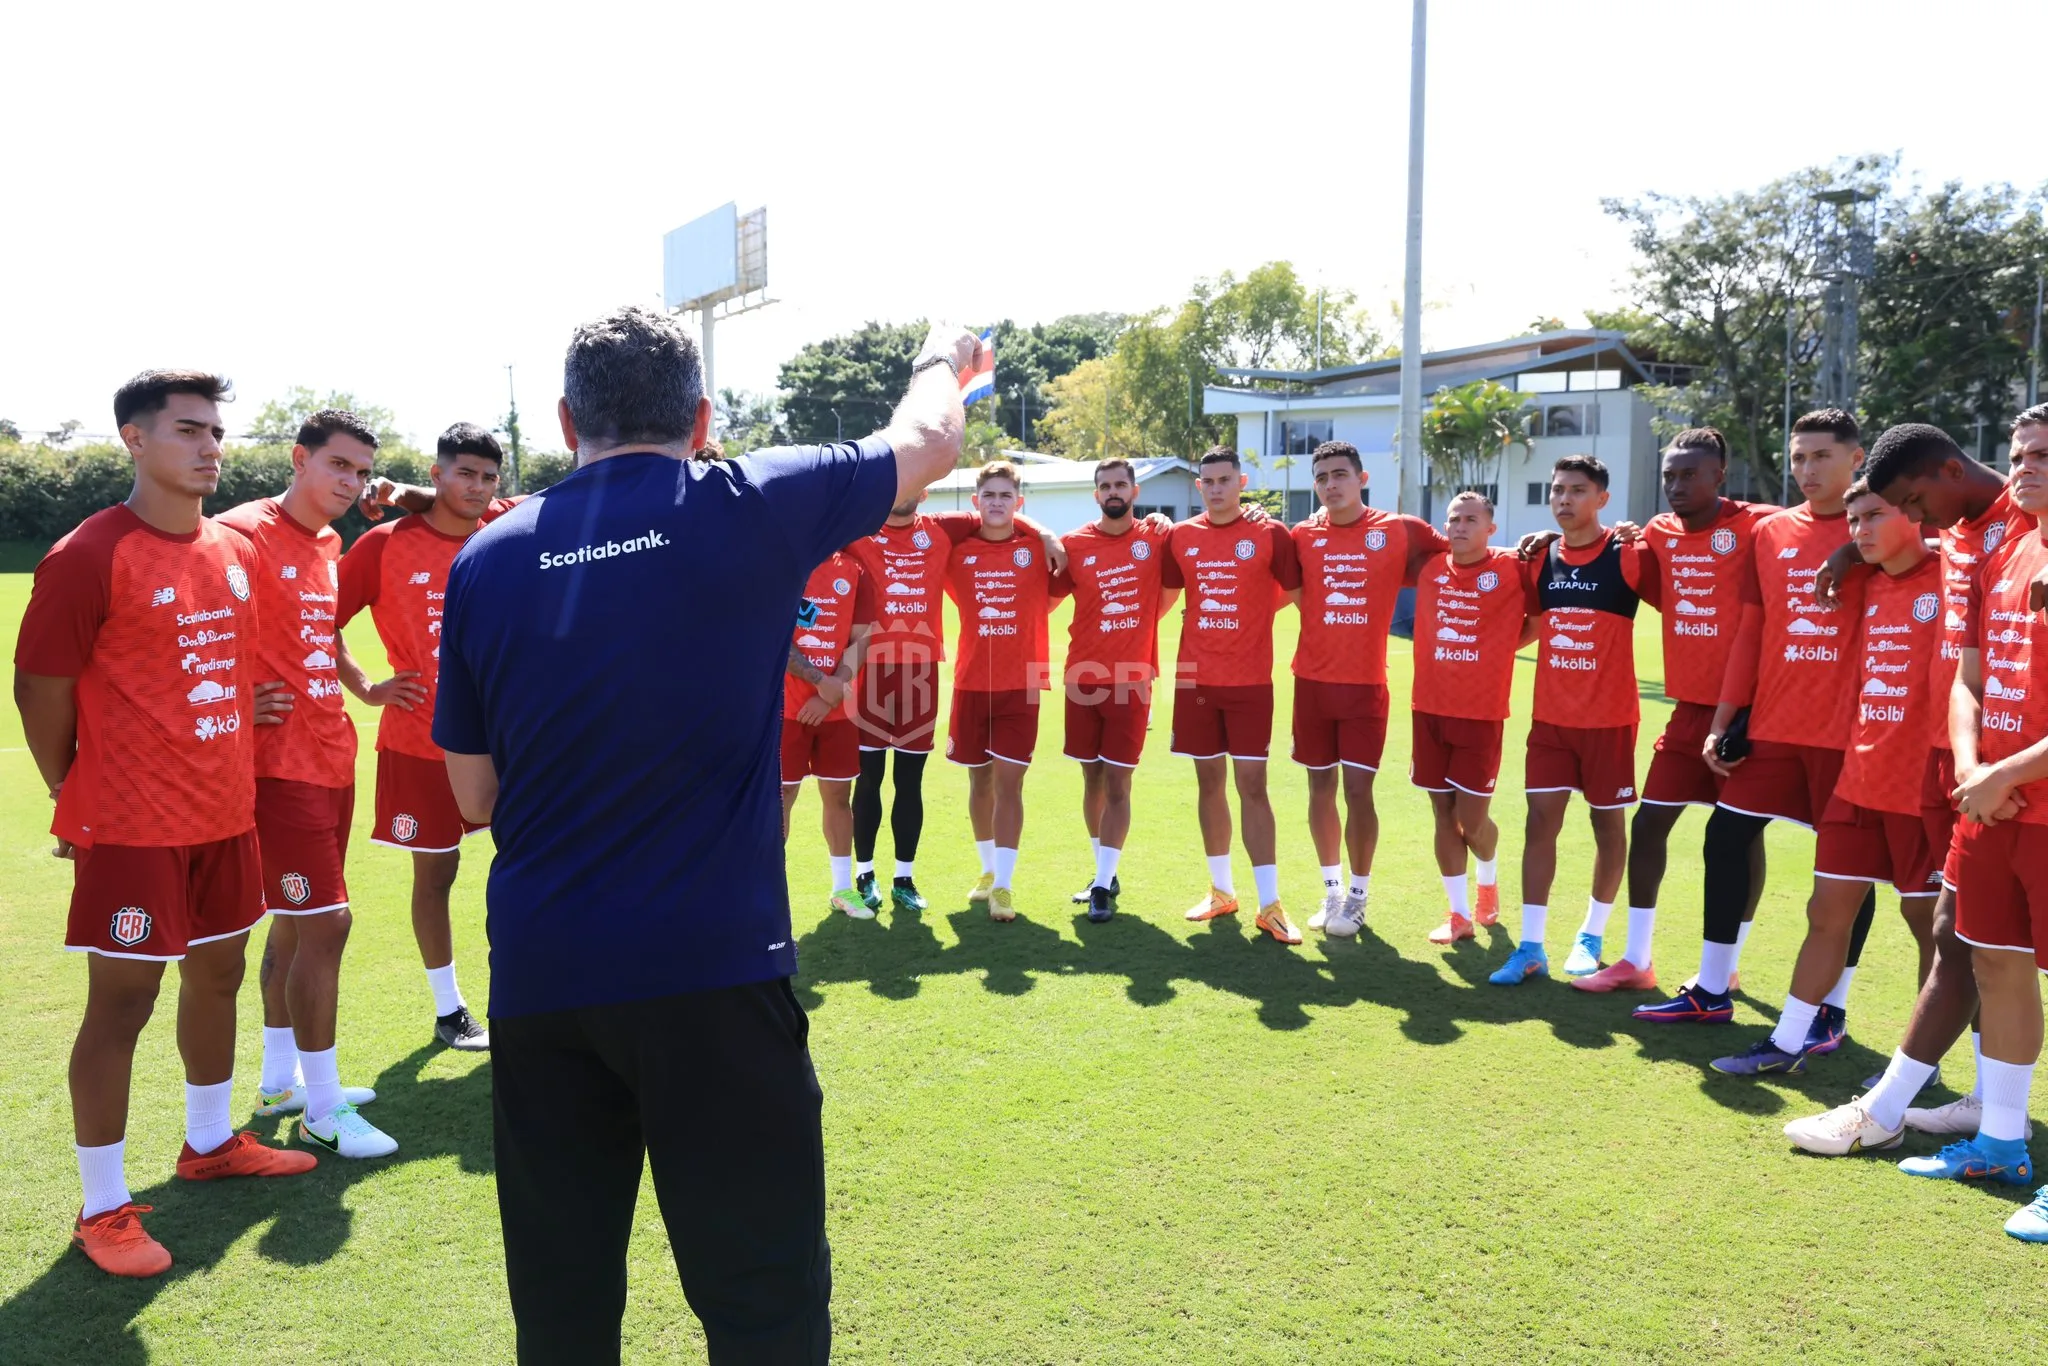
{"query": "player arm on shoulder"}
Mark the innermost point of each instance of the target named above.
(1424, 541)
(1844, 567)
(1532, 627)
(1639, 571)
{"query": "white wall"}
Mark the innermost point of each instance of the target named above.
(1064, 507)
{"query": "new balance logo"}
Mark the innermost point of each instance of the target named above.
(421, 577)
(1625, 792)
(1789, 553)
(289, 571)
(162, 596)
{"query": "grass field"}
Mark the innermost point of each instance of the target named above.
(1051, 1141)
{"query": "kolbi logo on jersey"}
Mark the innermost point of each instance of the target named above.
(1722, 542)
(1925, 606)
(296, 887)
(130, 926)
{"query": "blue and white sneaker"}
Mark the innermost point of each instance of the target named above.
(1528, 960)
(1584, 959)
(1692, 1005)
(2030, 1225)
(346, 1133)
(1829, 1031)
(1763, 1058)
(2005, 1161)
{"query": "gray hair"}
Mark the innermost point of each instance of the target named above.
(633, 376)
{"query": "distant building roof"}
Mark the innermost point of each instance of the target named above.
(1040, 471)
(1459, 365)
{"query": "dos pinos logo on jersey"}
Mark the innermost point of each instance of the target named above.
(1141, 550)
(921, 538)
(1993, 535)
(1722, 542)
(1488, 581)
(1021, 557)
(1375, 540)
(1244, 550)
(1925, 606)
(297, 887)
(238, 582)
(130, 927)
(404, 828)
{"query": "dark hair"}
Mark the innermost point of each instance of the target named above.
(143, 397)
(1224, 454)
(1116, 462)
(1471, 493)
(1907, 451)
(1860, 489)
(998, 469)
(1337, 448)
(633, 376)
(1708, 439)
(2036, 416)
(466, 438)
(323, 426)
(1587, 465)
(1836, 423)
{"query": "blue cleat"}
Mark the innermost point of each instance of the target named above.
(2030, 1225)
(1691, 1005)
(1528, 960)
(1976, 1159)
(1829, 1031)
(1764, 1058)
(1584, 960)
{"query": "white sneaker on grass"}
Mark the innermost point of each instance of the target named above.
(345, 1133)
(1961, 1116)
(292, 1100)
(1348, 919)
(1843, 1130)
(1333, 902)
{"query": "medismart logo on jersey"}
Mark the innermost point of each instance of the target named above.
(583, 554)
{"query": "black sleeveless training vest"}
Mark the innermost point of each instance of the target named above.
(1598, 585)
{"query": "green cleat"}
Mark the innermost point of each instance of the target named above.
(865, 885)
(905, 894)
(849, 902)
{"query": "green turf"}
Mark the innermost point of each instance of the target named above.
(1060, 1142)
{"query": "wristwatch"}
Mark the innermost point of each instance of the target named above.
(928, 362)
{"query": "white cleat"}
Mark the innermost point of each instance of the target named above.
(345, 1133)
(1843, 1130)
(1348, 919)
(292, 1100)
(1957, 1117)
(1333, 902)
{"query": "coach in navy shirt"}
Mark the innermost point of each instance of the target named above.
(610, 697)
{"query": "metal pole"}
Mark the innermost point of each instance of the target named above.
(1785, 473)
(1319, 325)
(1408, 457)
(705, 322)
(2034, 346)
(512, 426)
(838, 425)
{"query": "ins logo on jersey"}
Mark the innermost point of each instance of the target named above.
(921, 538)
(297, 887)
(1488, 581)
(1244, 550)
(1375, 540)
(1722, 542)
(130, 926)
(404, 828)
(1021, 557)
(841, 587)
(238, 582)
(1141, 550)
(1925, 606)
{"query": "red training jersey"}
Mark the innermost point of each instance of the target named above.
(1351, 576)
(1468, 621)
(160, 631)
(1236, 575)
(298, 579)
(1003, 590)
(399, 570)
(907, 565)
(1964, 549)
(2006, 634)
(1802, 659)
(1901, 640)
(1586, 653)
(840, 597)
(1701, 575)
(1115, 581)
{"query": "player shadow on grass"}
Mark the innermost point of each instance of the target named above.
(75, 1312)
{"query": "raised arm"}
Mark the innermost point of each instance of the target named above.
(929, 423)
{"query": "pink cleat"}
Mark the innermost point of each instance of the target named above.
(1619, 976)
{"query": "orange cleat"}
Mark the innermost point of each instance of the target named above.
(1486, 905)
(118, 1244)
(1215, 904)
(243, 1155)
(1274, 921)
(1454, 928)
(1618, 976)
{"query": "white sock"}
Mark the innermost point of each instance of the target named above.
(1902, 1080)
(206, 1115)
(1597, 913)
(1454, 888)
(842, 870)
(2005, 1100)
(986, 849)
(100, 1171)
(1839, 997)
(1095, 843)
(904, 866)
(1219, 874)
(1642, 927)
(1488, 870)
(323, 1083)
(1796, 1019)
(1105, 863)
(280, 1059)
(1266, 881)
(447, 996)
(1741, 938)
(864, 867)
(1535, 922)
(1006, 866)
(1333, 876)
(1977, 1048)
(1717, 965)
(1361, 884)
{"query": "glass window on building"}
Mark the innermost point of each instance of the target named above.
(1301, 438)
(1542, 381)
(1539, 494)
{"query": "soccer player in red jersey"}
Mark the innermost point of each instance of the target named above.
(1003, 586)
(1888, 820)
(896, 696)
(306, 779)
(1471, 614)
(1113, 571)
(1701, 548)
(1236, 573)
(1587, 585)
(399, 570)
(137, 687)
(1354, 561)
(1792, 666)
(818, 734)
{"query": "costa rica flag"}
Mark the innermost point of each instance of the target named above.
(978, 380)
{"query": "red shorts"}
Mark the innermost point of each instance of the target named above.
(303, 829)
(1452, 751)
(1597, 761)
(1209, 723)
(896, 706)
(415, 805)
(2000, 873)
(1783, 782)
(1678, 775)
(1113, 732)
(1857, 844)
(1339, 723)
(128, 901)
(992, 725)
(828, 751)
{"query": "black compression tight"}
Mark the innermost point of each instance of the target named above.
(1865, 914)
(906, 813)
(1730, 836)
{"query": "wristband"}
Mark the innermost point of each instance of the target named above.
(928, 362)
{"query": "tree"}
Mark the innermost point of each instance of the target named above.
(848, 384)
(278, 421)
(65, 431)
(748, 421)
(9, 431)
(1028, 359)
(1468, 429)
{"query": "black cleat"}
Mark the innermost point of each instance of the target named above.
(905, 894)
(865, 885)
(1101, 904)
(1116, 889)
(461, 1031)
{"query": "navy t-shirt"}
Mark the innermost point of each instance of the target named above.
(616, 644)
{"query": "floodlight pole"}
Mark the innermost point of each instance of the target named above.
(706, 322)
(1408, 453)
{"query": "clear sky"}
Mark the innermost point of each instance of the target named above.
(400, 200)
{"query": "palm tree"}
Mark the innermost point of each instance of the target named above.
(1468, 429)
